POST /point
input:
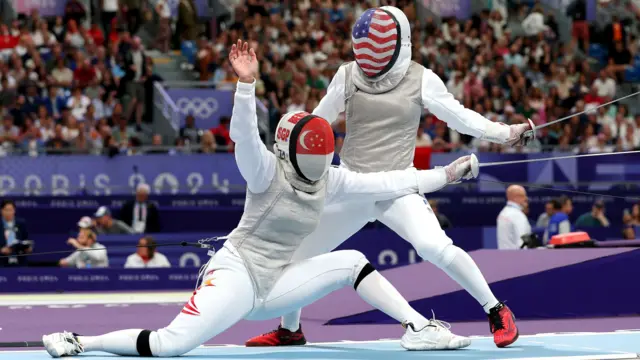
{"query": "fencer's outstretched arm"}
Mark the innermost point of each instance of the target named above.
(257, 165)
(345, 185)
(440, 102)
(332, 104)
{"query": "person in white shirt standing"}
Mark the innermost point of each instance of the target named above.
(109, 12)
(512, 222)
(164, 25)
(147, 256)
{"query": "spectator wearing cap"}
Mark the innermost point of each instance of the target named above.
(106, 224)
(14, 233)
(595, 218)
(141, 214)
(89, 252)
(86, 222)
(147, 256)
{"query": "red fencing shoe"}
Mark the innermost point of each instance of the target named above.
(502, 323)
(278, 337)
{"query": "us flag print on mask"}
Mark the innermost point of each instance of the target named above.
(375, 41)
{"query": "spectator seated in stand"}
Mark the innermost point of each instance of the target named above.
(543, 219)
(14, 238)
(595, 218)
(89, 253)
(146, 256)
(107, 225)
(559, 222)
(140, 214)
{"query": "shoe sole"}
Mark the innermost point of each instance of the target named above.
(426, 348)
(507, 343)
(292, 343)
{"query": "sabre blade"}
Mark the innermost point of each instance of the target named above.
(585, 111)
(513, 162)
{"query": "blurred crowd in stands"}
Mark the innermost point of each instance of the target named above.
(505, 77)
(76, 83)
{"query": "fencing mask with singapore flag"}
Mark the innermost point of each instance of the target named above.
(305, 142)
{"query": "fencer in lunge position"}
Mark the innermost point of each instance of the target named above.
(252, 276)
(383, 94)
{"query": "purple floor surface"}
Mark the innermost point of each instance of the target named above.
(28, 324)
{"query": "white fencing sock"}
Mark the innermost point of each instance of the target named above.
(121, 342)
(461, 268)
(379, 293)
(291, 321)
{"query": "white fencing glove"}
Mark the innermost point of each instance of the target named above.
(512, 135)
(521, 134)
(464, 168)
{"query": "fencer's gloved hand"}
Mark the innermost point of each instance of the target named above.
(521, 134)
(464, 168)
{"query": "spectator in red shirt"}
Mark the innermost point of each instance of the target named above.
(221, 133)
(593, 98)
(114, 35)
(96, 34)
(84, 74)
(7, 40)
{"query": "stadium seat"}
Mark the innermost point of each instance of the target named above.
(632, 74)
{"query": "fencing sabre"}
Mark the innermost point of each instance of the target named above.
(499, 163)
(531, 133)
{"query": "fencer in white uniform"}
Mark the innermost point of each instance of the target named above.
(253, 276)
(383, 94)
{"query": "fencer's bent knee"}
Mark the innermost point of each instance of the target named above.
(353, 259)
(444, 257)
(440, 253)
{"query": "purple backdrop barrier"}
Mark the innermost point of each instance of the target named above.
(59, 280)
(46, 8)
(221, 212)
(461, 9)
(206, 105)
(206, 174)
(96, 175)
(50, 8)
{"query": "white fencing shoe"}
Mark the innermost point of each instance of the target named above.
(62, 344)
(434, 336)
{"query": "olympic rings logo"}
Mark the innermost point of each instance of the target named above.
(199, 107)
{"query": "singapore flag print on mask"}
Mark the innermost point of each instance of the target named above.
(306, 142)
